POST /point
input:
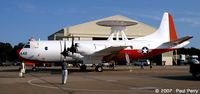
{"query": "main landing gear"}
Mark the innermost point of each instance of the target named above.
(34, 69)
(83, 67)
(99, 68)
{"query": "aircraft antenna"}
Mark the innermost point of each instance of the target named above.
(117, 28)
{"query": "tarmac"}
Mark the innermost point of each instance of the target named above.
(158, 80)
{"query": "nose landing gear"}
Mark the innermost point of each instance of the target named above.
(22, 70)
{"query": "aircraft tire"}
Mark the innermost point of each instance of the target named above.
(34, 69)
(83, 68)
(99, 69)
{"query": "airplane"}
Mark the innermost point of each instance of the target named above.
(164, 39)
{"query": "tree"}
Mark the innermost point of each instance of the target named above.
(8, 53)
(14, 54)
(5, 50)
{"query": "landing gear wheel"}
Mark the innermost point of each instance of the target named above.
(34, 69)
(83, 68)
(112, 66)
(99, 69)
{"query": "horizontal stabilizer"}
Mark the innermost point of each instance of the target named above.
(177, 41)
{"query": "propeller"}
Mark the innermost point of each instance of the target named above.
(73, 47)
(65, 51)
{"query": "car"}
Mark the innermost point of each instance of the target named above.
(193, 61)
(5, 64)
(195, 70)
(16, 63)
(146, 62)
(181, 62)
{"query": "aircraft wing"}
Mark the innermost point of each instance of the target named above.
(98, 55)
(109, 50)
(177, 41)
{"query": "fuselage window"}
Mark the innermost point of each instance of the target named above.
(27, 45)
(46, 48)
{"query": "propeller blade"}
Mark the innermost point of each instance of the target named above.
(72, 40)
(73, 47)
(65, 51)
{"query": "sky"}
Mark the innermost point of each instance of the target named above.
(22, 19)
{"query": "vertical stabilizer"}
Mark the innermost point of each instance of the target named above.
(166, 32)
(172, 29)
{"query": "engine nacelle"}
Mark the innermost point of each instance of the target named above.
(86, 49)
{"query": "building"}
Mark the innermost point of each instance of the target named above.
(92, 31)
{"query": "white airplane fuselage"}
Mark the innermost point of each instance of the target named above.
(50, 51)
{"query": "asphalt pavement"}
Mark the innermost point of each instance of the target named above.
(123, 79)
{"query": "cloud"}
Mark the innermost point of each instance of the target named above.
(192, 13)
(189, 17)
(153, 17)
(195, 21)
(68, 11)
(44, 10)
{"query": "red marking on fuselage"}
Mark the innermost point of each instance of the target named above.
(29, 62)
(137, 54)
(26, 61)
(18, 53)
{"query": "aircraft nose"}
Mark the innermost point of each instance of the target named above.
(19, 56)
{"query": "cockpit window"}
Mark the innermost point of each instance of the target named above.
(27, 45)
